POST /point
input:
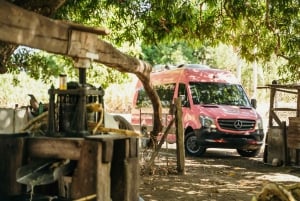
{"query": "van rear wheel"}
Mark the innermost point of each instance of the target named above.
(248, 153)
(191, 145)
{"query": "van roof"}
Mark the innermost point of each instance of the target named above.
(192, 73)
(163, 67)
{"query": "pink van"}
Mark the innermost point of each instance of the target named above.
(216, 110)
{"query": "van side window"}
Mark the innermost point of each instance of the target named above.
(182, 93)
(142, 99)
(165, 93)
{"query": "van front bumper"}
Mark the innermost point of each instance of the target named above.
(217, 139)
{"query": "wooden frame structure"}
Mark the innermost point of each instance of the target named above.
(283, 139)
(289, 89)
(107, 165)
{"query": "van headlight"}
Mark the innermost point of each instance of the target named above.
(259, 124)
(207, 122)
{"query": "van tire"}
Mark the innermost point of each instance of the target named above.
(192, 148)
(248, 153)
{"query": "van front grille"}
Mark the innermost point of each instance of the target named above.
(236, 124)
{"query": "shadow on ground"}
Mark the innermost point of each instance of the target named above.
(218, 175)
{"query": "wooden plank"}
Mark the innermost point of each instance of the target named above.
(287, 91)
(125, 170)
(118, 177)
(293, 141)
(107, 141)
(103, 167)
(107, 151)
(285, 109)
(46, 147)
(133, 144)
(274, 116)
(131, 179)
(293, 133)
(275, 142)
(84, 179)
(294, 121)
(12, 157)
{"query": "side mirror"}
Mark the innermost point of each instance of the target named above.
(253, 103)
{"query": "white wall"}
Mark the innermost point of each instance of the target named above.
(12, 120)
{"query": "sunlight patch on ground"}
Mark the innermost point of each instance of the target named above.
(279, 177)
(192, 192)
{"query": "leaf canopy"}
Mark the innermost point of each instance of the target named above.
(257, 29)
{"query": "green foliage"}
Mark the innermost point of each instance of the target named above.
(99, 75)
(47, 67)
(256, 29)
(38, 64)
(175, 53)
(18, 86)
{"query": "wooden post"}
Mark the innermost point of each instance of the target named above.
(298, 103)
(179, 138)
(125, 170)
(51, 113)
(92, 174)
(271, 109)
(285, 149)
(103, 167)
(84, 177)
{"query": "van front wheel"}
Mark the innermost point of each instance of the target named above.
(192, 148)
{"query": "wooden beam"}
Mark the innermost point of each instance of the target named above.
(22, 27)
(46, 147)
(274, 116)
(285, 109)
(286, 91)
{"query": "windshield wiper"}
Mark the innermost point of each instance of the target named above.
(209, 105)
(245, 107)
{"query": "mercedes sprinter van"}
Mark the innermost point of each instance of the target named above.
(216, 112)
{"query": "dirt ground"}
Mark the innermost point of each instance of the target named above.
(219, 175)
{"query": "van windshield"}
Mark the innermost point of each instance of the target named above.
(219, 94)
